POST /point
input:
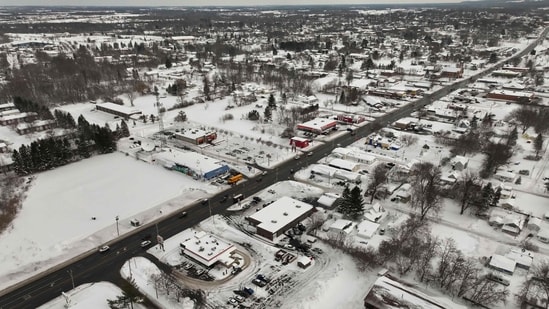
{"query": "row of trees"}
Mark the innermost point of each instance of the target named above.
(439, 263)
(52, 152)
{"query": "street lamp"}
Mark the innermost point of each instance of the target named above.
(117, 230)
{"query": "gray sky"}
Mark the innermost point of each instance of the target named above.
(206, 2)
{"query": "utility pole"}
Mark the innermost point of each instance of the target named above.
(72, 278)
(160, 121)
(117, 230)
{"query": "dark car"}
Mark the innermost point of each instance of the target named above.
(259, 283)
(224, 198)
(204, 201)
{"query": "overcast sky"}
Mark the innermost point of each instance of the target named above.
(206, 2)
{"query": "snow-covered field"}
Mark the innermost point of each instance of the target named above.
(55, 222)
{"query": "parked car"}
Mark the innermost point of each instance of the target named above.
(232, 301)
(239, 298)
(145, 243)
(259, 283)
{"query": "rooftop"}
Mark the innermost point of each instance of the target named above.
(280, 213)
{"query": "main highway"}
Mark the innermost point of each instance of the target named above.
(93, 266)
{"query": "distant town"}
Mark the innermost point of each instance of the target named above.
(275, 157)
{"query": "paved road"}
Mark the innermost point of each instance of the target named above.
(93, 266)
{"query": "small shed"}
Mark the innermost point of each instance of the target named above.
(304, 262)
(502, 264)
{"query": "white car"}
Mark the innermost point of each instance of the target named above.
(297, 157)
(264, 173)
(145, 243)
(104, 249)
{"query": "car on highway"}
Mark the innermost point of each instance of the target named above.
(224, 198)
(264, 173)
(310, 153)
(104, 249)
(297, 157)
(204, 201)
(145, 243)
(183, 214)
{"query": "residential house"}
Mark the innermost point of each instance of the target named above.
(460, 163)
(502, 264)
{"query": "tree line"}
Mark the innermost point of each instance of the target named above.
(83, 141)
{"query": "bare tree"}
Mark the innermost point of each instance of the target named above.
(487, 292)
(526, 115)
(378, 178)
(536, 286)
(425, 188)
(430, 250)
(468, 275)
(468, 189)
(131, 94)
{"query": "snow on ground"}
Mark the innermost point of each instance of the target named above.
(66, 199)
(87, 296)
(141, 271)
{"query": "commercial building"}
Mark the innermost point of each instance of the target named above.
(118, 110)
(207, 249)
(275, 219)
(516, 96)
(299, 142)
(192, 164)
(318, 125)
(195, 136)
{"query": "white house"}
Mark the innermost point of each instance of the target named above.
(341, 226)
(460, 163)
(502, 263)
(366, 229)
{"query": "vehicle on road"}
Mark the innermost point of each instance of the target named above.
(135, 222)
(264, 173)
(224, 199)
(234, 179)
(204, 201)
(297, 157)
(104, 249)
(237, 198)
(145, 243)
(183, 214)
(310, 153)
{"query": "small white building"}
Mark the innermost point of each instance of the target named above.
(502, 263)
(341, 226)
(207, 249)
(304, 262)
(460, 163)
(523, 258)
(366, 229)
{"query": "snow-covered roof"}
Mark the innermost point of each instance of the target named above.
(280, 213)
(206, 248)
(343, 164)
(327, 199)
(17, 116)
(522, 257)
(119, 108)
(386, 288)
(322, 169)
(502, 262)
(318, 123)
(341, 224)
(304, 260)
(512, 93)
(192, 160)
(460, 159)
(299, 139)
(367, 229)
(193, 133)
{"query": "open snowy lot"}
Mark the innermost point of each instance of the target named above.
(63, 202)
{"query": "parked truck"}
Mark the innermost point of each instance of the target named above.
(234, 179)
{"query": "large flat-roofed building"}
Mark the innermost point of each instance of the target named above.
(208, 249)
(318, 125)
(273, 220)
(195, 136)
(192, 164)
(118, 110)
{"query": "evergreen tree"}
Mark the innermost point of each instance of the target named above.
(512, 138)
(206, 88)
(538, 144)
(267, 114)
(271, 102)
(342, 99)
(17, 162)
(124, 130)
(168, 63)
(344, 205)
(356, 203)
(82, 148)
